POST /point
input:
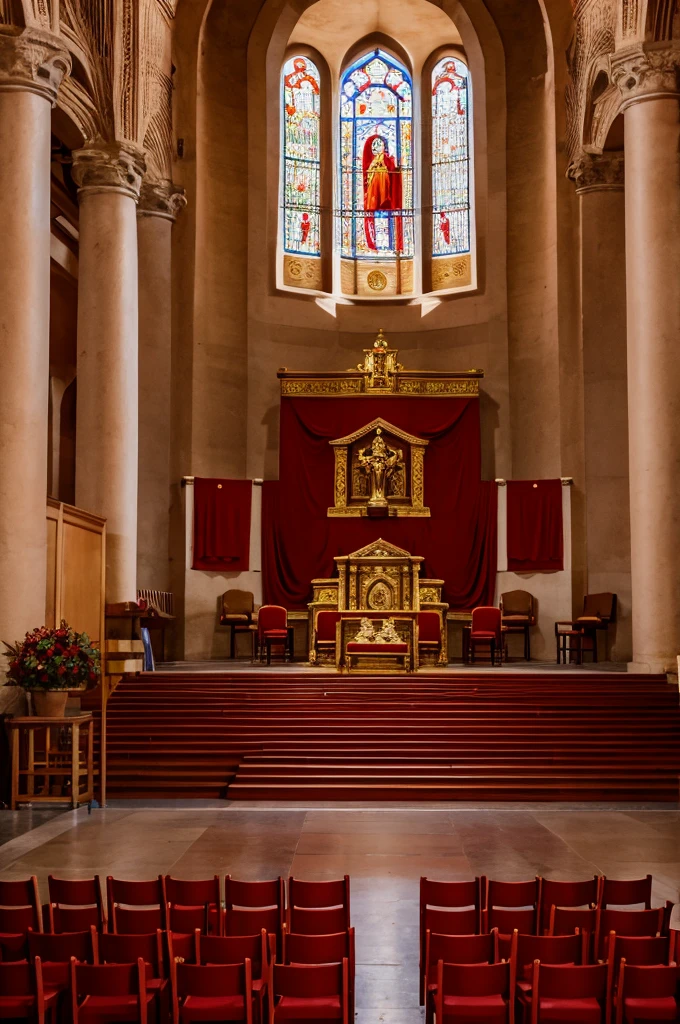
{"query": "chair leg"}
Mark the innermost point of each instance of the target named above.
(269, 651)
(492, 645)
(232, 642)
(595, 646)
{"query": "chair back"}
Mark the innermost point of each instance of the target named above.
(271, 616)
(325, 626)
(253, 894)
(658, 982)
(601, 606)
(192, 892)
(121, 893)
(251, 921)
(639, 950)
(324, 921)
(188, 919)
(566, 920)
(22, 892)
(626, 922)
(429, 627)
(567, 894)
(233, 949)
(572, 982)
(626, 893)
(551, 949)
(450, 922)
(18, 979)
(138, 920)
(460, 949)
(75, 919)
(309, 981)
(56, 949)
(109, 980)
(213, 980)
(15, 920)
(318, 949)
(128, 949)
(181, 948)
(334, 893)
(486, 619)
(517, 603)
(238, 602)
(473, 980)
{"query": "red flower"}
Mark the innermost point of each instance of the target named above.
(50, 652)
(75, 670)
(92, 676)
(61, 670)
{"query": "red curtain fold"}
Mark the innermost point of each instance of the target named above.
(222, 524)
(458, 541)
(535, 538)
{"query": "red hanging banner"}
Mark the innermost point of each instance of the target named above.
(222, 524)
(535, 538)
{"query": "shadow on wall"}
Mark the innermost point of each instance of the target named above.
(489, 424)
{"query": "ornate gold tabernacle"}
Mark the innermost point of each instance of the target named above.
(379, 579)
(379, 471)
(380, 373)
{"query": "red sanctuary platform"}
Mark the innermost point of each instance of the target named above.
(281, 734)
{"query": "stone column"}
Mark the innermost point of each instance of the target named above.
(158, 206)
(32, 64)
(649, 82)
(599, 181)
(109, 176)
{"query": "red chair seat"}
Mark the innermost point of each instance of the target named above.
(483, 1008)
(276, 633)
(112, 1008)
(300, 1008)
(353, 648)
(213, 1008)
(23, 1006)
(649, 1009)
(571, 1011)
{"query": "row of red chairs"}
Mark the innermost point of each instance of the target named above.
(178, 904)
(518, 954)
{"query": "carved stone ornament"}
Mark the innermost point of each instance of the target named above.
(598, 172)
(33, 61)
(161, 199)
(646, 72)
(107, 167)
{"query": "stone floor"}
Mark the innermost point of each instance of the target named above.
(383, 849)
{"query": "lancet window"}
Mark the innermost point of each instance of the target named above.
(301, 100)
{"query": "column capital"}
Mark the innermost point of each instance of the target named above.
(646, 71)
(598, 172)
(32, 61)
(161, 199)
(109, 167)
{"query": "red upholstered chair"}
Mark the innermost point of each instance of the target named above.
(273, 631)
(510, 905)
(15, 923)
(332, 948)
(486, 632)
(138, 920)
(566, 894)
(429, 637)
(646, 994)
(479, 992)
(639, 950)
(128, 949)
(579, 995)
(310, 992)
(318, 896)
(236, 949)
(194, 894)
(550, 949)
(325, 639)
(626, 893)
(317, 920)
(449, 908)
(454, 949)
(569, 920)
(212, 993)
(75, 904)
(22, 893)
(109, 992)
(23, 994)
(55, 953)
(121, 893)
(270, 894)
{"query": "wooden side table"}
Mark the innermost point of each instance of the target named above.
(52, 748)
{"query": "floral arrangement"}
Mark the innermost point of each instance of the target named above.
(53, 659)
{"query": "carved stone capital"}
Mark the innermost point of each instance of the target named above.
(109, 167)
(32, 61)
(161, 199)
(646, 71)
(598, 172)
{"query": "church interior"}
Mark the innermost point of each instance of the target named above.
(340, 510)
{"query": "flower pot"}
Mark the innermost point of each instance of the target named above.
(49, 703)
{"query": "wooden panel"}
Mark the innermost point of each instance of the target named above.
(51, 591)
(81, 587)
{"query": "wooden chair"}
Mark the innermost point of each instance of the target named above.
(483, 992)
(598, 611)
(518, 615)
(273, 631)
(486, 632)
(239, 614)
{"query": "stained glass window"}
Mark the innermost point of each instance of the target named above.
(376, 172)
(301, 99)
(450, 158)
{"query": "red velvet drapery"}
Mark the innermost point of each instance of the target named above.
(535, 541)
(222, 524)
(458, 542)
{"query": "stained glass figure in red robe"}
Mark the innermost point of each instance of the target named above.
(382, 189)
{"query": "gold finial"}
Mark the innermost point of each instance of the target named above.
(381, 340)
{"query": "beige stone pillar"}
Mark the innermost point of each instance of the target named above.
(109, 176)
(158, 206)
(649, 82)
(32, 64)
(599, 181)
